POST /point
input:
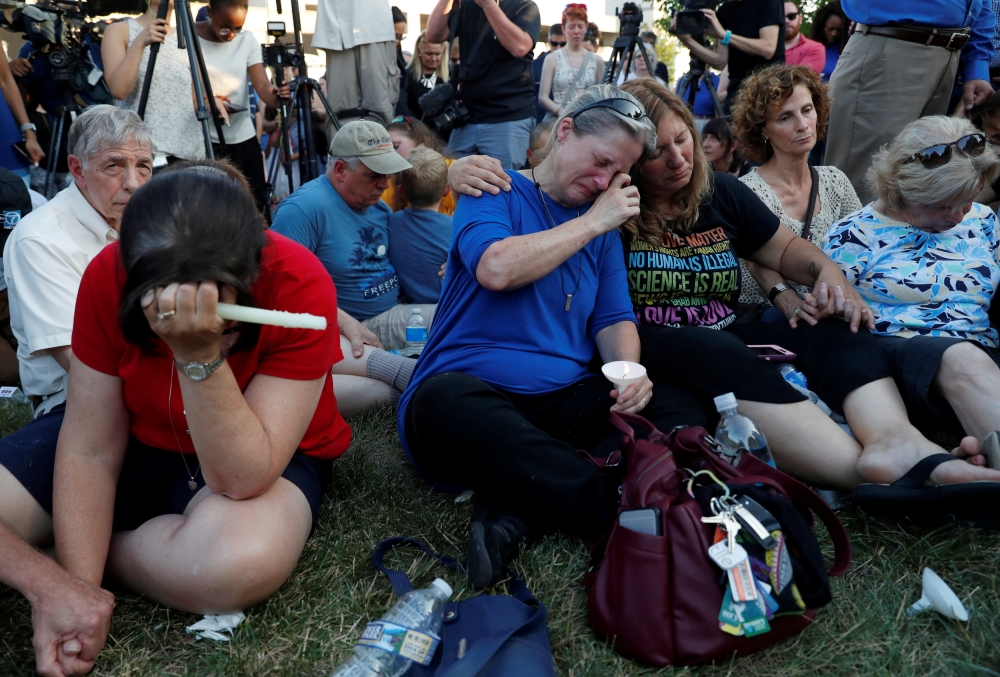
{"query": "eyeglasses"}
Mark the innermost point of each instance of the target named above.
(623, 107)
(792, 17)
(557, 44)
(971, 145)
(229, 31)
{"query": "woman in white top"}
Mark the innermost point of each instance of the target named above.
(779, 115)
(570, 70)
(125, 50)
(637, 69)
(231, 54)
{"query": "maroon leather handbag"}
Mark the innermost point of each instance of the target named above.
(658, 598)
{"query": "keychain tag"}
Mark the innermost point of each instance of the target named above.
(741, 581)
(753, 525)
(756, 627)
(727, 560)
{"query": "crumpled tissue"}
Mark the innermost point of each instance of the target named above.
(212, 626)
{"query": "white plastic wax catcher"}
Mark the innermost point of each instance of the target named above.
(622, 373)
(939, 597)
(277, 318)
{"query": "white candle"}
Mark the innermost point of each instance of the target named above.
(277, 318)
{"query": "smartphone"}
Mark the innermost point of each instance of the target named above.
(773, 353)
(643, 520)
(21, 150)
(233, 108)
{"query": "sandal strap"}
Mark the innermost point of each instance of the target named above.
(919, 473)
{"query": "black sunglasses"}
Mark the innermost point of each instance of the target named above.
(971, 145)
(623, 107)
(558, 44)
(792, 16)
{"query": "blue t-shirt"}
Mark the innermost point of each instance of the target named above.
(418, 240)
(832, 57)
(353, 245)
(703, 105)
(521, 341)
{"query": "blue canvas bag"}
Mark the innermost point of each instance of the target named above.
(486, 636)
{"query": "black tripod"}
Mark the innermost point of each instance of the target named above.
(690, 83)
(69, 110)
(187, 39)
(302, 88)
(621, 57)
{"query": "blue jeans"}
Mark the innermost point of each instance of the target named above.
(505, 141)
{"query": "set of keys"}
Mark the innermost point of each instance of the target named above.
(748, 602)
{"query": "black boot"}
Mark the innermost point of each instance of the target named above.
(495, 538)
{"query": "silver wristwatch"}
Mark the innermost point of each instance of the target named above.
(199, 371)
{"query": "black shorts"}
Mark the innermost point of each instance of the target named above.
(710, 363)
(153, 481)
(915, 362)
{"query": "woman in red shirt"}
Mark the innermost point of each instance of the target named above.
(194, 452)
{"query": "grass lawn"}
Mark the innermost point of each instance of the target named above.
(310, 624)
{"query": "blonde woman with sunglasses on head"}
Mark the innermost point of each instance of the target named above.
(924, 257)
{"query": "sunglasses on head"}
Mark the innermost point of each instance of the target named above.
(401, 118)
(791, 17)
(623, 107)
(938, 155)
(576, 5)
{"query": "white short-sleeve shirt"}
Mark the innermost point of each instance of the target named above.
(227, 64)
(44, 260)
(343, 24)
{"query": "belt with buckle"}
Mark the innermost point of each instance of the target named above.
(949, 38)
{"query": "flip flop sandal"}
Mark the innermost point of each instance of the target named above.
(991, 450)
(908, 498)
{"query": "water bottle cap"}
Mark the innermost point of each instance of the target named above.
(443, 586)
(725, 402)
(415, 311)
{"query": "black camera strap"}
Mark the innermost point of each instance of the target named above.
(486, 30)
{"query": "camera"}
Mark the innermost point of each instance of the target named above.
(280, 54)
(630, 18)
(444, 109)
(691, 20)
(57, 33)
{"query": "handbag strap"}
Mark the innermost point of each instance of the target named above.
(401, 583)
(813, 192)
(587, 57)
(800, 493)
(475, 48)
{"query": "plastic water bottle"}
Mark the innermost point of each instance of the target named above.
(416, 333)
(795, 378)
(420, 610)
(737, 432)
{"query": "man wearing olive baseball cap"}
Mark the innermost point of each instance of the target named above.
(340, 218)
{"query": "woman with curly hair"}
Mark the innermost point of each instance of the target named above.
(684, 281)
(779, 115)
(829, 28)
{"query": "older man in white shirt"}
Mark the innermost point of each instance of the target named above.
(360, 44)
(111, 156)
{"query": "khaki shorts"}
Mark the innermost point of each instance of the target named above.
(366, 77)
(390, 326)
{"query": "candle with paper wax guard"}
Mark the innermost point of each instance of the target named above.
(623, 373)
(277, 318)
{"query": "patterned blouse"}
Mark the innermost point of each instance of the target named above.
(926, 284)
(170, 113)
(837, 199)
(565, 74)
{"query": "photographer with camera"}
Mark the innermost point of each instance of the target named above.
(125, 48)
(749, 34)
(495, 106)
(231, 54)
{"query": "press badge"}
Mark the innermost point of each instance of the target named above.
(417, 646)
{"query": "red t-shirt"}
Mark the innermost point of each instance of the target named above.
(807, 52)
(290, 279)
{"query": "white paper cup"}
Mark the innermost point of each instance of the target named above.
(615, 372)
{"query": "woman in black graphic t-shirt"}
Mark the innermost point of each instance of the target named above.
(683, 271)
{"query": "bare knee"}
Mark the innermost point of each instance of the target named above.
(22, 513)
(965, 365)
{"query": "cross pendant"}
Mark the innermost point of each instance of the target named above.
(569, 300)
